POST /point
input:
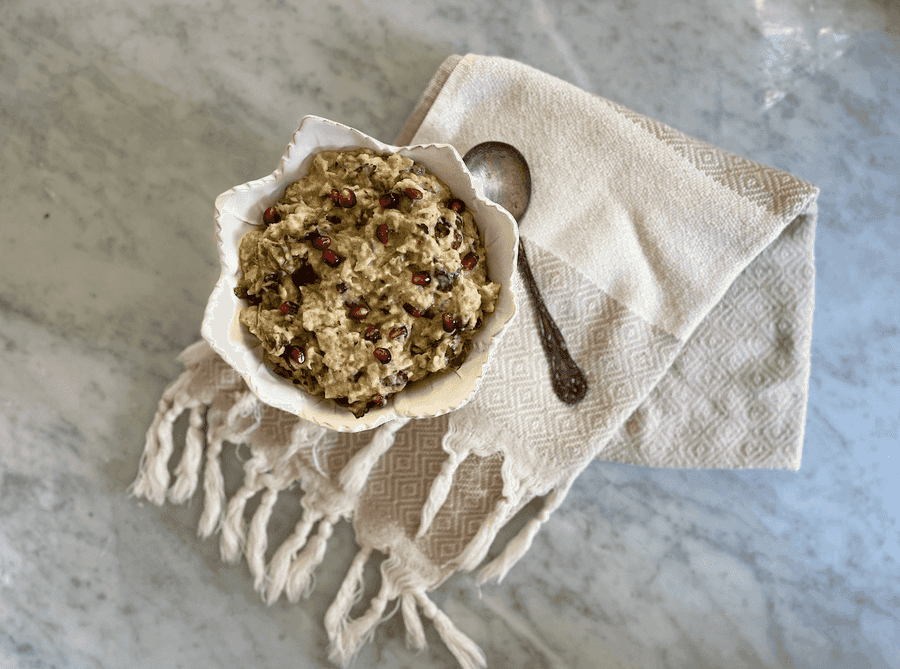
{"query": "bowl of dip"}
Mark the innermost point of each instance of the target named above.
(242, 209)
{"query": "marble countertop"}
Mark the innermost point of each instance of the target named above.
(120, 122)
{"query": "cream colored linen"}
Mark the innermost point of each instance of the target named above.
(680, 233)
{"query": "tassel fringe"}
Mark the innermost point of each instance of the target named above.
(258, 540)
(153, 471)
(516, 548)
(233, 535)
(186, 474)
(478, 547)
(338, 614)
(348, 636)
(466, 651)
(356, 472)
(279, 567)
(300, 577)
(440, 488)
(213, 491)
(415, 633)
(233, 416)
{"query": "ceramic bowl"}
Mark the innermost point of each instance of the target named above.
(240, 209)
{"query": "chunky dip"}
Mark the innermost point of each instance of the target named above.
(366, 276)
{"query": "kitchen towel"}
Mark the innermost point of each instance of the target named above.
(682, 279)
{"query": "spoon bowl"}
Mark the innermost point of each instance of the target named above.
(506, 180)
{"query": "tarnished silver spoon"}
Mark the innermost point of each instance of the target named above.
(506, 180)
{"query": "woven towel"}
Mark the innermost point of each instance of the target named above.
(681, 277)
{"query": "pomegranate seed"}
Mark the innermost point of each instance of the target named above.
(377, 401)
(341, 287)
(402, 376)
(288, 307)
(335, 194)
(382, 355)
(359, 312)
(322, 242)
(347, 198)
(442, 227)
(413, 194)
(411, 310)
(331, 258)
(457, 239)
(450, 323)
(373, 334)
(389, 201)
(421, 278)
(470, 261)
(456, 205)
(297, 355)
(271, 216)
(398, 332)
(382, 233)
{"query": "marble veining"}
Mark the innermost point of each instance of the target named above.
(120, 122)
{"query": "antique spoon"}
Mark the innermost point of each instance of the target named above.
(506, 180)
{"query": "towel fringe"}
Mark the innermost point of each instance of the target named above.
(467, 652)
(188, 470)
(258, 539)
(300, 580)
(280, 565)
(351, 635)
(478, 547)
(233, 535)
(338, 614)
(440, 488)
(516, 548)
(153, 477)
(355, 473)
(213, 490)
(415, 633)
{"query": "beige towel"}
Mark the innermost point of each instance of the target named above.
(681, 277)
(710, 252)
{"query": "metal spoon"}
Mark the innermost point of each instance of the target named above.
(506, 180)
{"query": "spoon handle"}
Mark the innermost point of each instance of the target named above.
(569, 382)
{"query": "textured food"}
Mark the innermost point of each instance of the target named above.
(366, 276)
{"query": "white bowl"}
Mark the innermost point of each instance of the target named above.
(240, 209)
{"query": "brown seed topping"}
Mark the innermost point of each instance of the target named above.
(373, 334)
(331, 258)
(389, 201)
(398, 332)
(271, 216)
(347, 198)
(359, 312)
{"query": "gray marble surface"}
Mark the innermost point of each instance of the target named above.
(120, 122)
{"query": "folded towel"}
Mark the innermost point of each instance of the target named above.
(681, 277)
